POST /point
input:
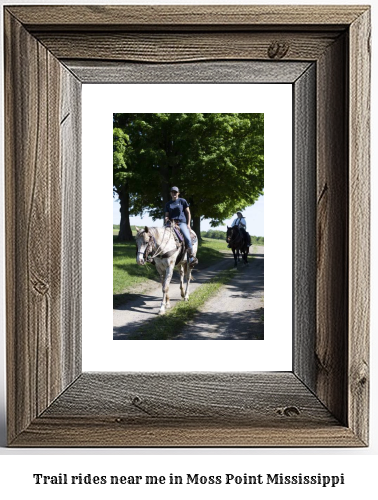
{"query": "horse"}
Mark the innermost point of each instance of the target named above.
(237, 243)
(168, 253)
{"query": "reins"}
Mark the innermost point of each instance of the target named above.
(160, 249)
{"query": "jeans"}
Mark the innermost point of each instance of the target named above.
(186, 233)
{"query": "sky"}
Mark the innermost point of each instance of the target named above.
(253, 214)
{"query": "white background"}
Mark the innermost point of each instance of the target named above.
(100, 351)
(358, 465)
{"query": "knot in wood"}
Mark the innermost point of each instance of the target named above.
(288, 411)
(278, 50)
(136, 400)
(41, 287)
(363, 381)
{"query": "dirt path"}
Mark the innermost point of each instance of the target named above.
(128, 317)
(246, 290)
(236, 312)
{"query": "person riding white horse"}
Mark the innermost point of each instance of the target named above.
(241, 223)
(178, 210)
(167, 253)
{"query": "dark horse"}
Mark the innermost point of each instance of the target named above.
(237, 242)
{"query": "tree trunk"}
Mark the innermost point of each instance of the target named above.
(125, 233)
(165, 187)
(197, 227)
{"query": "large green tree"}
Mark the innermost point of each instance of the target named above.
(225, 171)
(216, 159)
(122, 177)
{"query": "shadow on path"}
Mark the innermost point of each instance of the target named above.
(234, 313)
(139, 308)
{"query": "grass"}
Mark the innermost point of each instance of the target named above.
(127, 274)
(168, 326)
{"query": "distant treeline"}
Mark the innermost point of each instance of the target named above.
(116, 226)
(221, 235)
(215, 234)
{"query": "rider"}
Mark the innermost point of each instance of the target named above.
(178, 210)
(241, 223)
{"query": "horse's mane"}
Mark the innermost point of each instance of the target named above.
(156, 232)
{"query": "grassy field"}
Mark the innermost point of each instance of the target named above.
(127, 274)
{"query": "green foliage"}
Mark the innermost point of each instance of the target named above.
(126, 272)
(214, 234)
(257, 240)
(221, 235)
(216, 159)
(121, 158)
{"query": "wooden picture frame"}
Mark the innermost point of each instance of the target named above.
(49, 52)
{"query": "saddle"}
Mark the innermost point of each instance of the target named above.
(179, 235)
(180, 242)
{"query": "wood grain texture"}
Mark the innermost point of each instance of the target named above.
(197, 409)
(71, 192)
(332, 230)
(192, 396)
(322, 403)
(184, 16)
(100, 432)
(202, 72)
(359, 226)
(33, 228)
(304, 229)
(179, 47)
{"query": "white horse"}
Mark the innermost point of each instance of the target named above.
(167, 253)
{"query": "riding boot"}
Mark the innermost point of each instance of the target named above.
(192, 259)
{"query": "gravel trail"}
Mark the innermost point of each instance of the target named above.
(235, 312)
(128, 317)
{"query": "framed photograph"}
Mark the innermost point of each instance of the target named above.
(324, 53)
(247, 306)
(216, 157)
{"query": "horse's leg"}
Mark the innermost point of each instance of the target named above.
(166, 282)
(167, 301)
(235, 257)
(182, 280)
(188, 275)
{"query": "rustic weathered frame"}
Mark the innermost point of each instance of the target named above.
(324, 400)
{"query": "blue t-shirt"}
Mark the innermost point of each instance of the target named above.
(176, 208)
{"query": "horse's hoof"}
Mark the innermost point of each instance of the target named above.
(186, 299)
(161, 312)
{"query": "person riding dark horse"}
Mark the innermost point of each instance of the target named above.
(178, 210)
(237, 244)
(241, 223)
